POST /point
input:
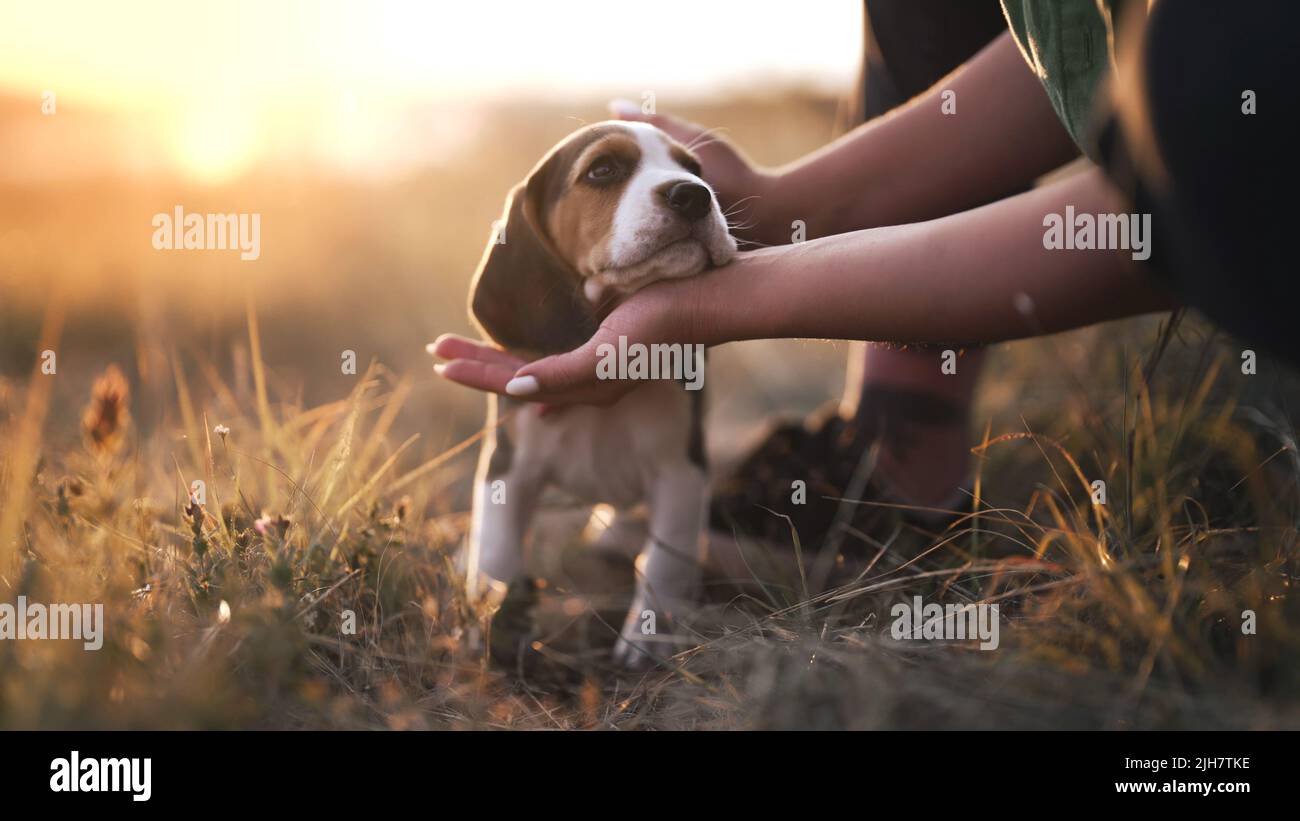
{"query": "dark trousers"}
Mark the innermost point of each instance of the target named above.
(909, 45)
(1220, 183)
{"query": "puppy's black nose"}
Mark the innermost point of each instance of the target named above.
(690, 199)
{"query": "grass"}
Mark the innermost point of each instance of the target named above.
(229, 613)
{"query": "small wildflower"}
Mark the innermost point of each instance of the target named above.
(106, 418)
(194, 511)
(269, 525)
(222, 431)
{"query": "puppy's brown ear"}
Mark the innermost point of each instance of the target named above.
(524, 297)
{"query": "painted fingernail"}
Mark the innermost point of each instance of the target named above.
(624, 108)
(439, 368)
(431, 348)
(523, 386)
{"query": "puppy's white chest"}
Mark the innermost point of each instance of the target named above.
(612, 454)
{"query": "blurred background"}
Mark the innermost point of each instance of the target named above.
(377, 141)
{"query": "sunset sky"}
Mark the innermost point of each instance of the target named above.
(224, 81)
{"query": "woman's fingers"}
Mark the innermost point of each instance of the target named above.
(680, 130)
(486, 368)
(473, 373)
(473, 363)
(477, 365)
(453, 346)
(498, 378)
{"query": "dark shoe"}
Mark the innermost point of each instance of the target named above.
(819, 474)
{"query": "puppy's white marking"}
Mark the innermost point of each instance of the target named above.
(639, 218)
(647, 241)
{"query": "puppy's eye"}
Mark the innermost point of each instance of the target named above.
(603, 169)
(692, 165)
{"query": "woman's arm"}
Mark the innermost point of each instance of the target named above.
(919, 163)
(914, 164)
(978, 276)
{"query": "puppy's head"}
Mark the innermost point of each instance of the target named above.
(612, 208)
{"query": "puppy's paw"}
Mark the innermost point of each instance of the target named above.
(645, 642)
(636, 656)
(502, 618)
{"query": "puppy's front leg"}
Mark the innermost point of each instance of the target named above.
(668, 569)
(505, 496)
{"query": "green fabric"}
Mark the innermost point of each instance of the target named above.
(1069, 45)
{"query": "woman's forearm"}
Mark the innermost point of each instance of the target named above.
(919, 162)
(978, 276)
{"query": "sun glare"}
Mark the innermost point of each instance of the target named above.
(249, 81)
(215, 143)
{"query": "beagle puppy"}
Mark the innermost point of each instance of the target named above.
(612, 208)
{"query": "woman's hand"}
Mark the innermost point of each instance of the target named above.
(742, 188)
(971, 278)
(665, 312)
